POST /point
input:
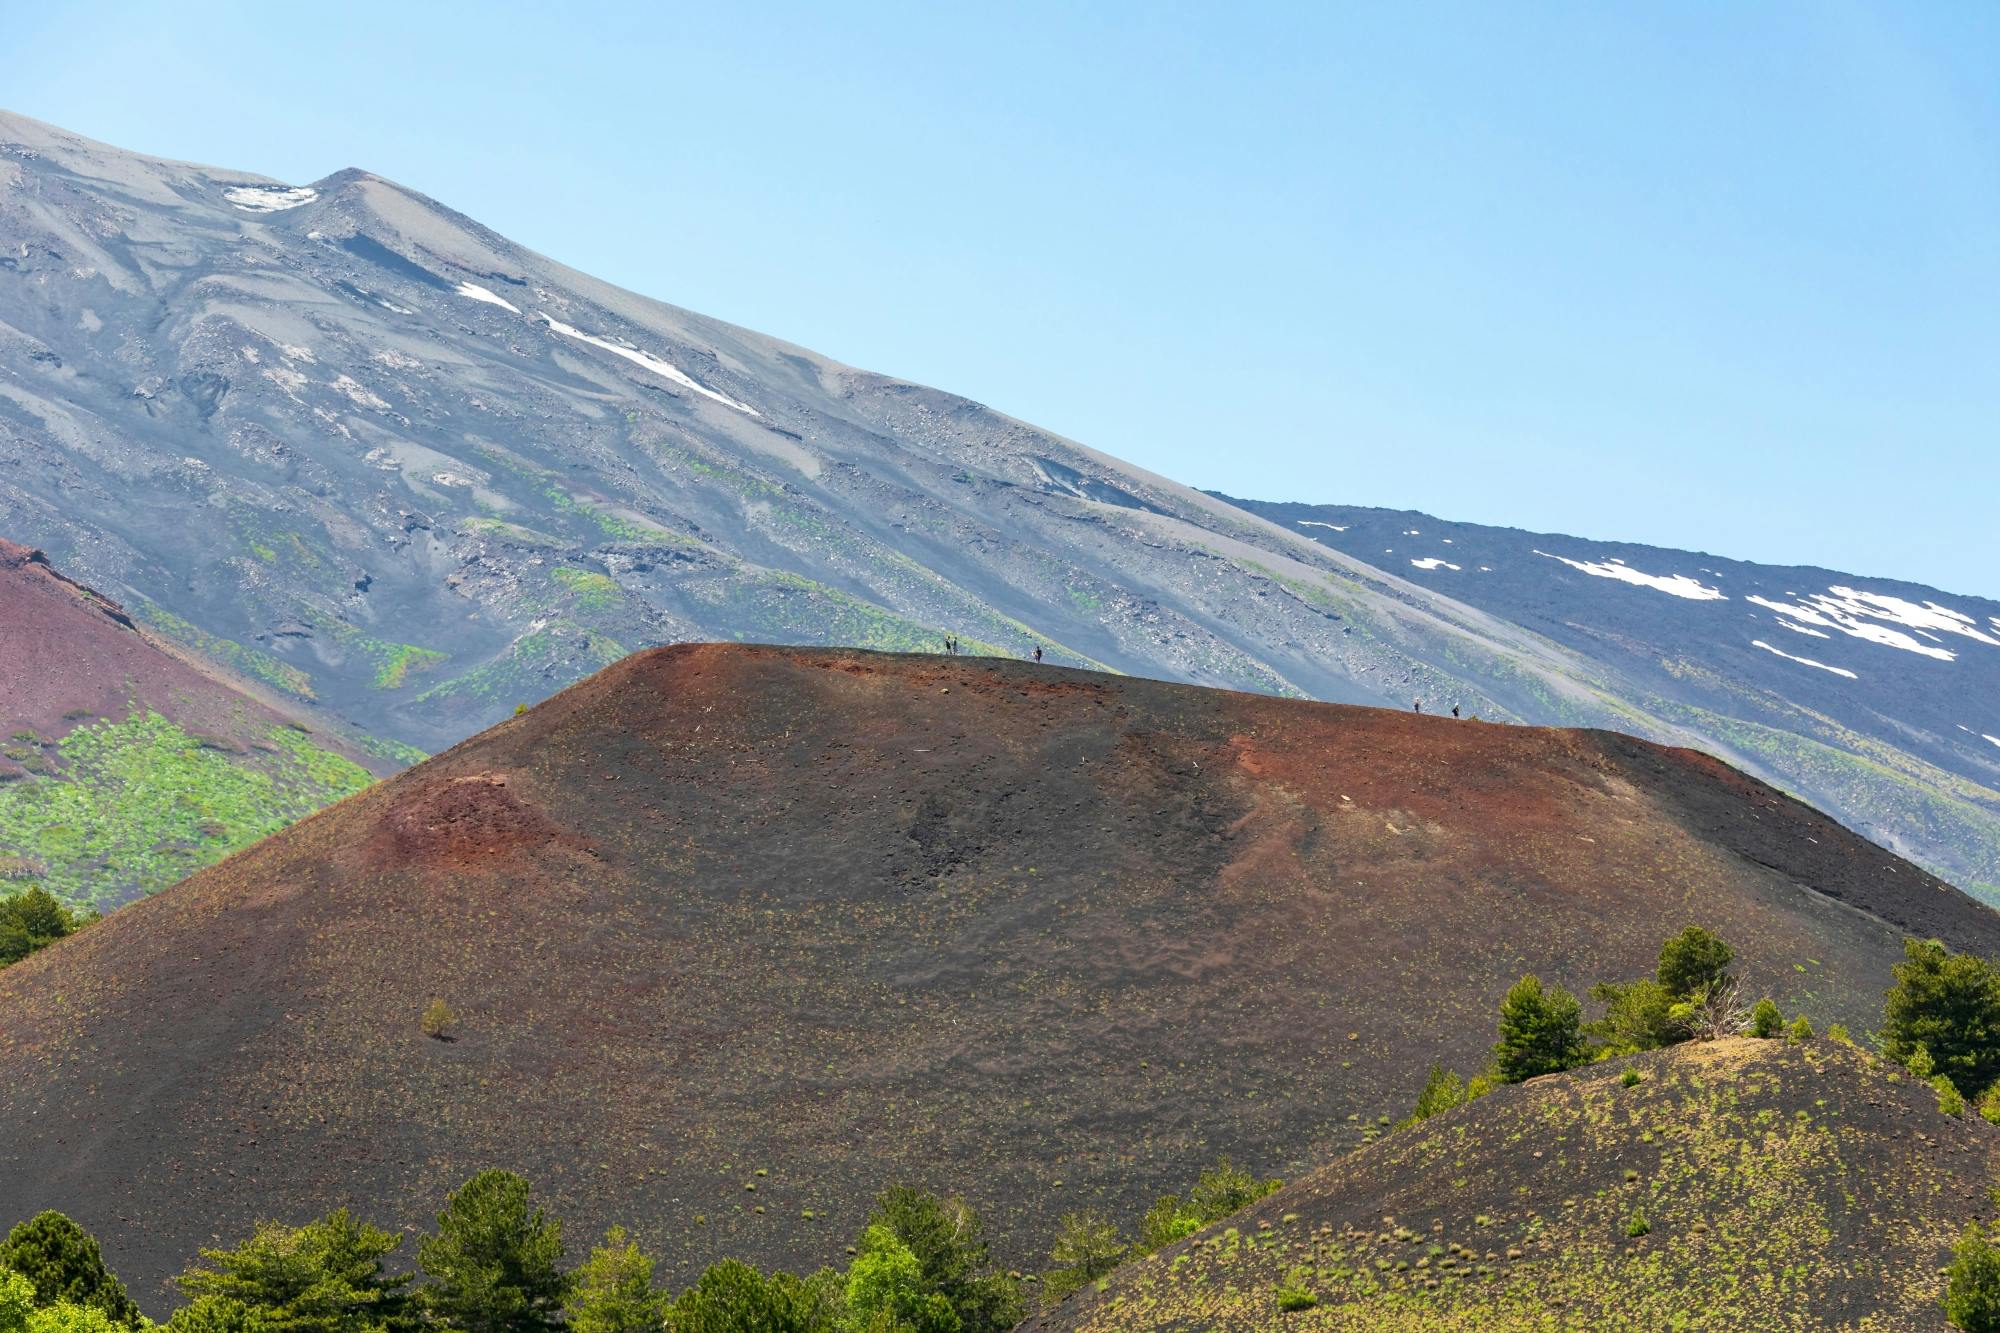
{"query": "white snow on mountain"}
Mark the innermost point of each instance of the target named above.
(664, 369)
(1315, 523)
(1861, 615)
(1806, 661)
(1801, 629)
(477, 293)
(1433, 562)
(1679, 585)
(269, 198)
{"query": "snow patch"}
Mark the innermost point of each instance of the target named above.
(1806, 661)
(1872, 617)
(474, 291)
(1994, 739)
(1803, 629)
(1679, 585)
(1411, 532)
(647, 361)
(1433, 562)
(269, 198)
(451, 479)
(1315, 523)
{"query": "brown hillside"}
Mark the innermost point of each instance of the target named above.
(1782, 1186)
(1049, 937)
(69, 655)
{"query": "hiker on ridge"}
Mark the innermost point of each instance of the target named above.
(1038, 652)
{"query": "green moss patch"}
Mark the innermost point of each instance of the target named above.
(131, 806)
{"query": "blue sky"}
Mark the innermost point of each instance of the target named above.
(1706, 275)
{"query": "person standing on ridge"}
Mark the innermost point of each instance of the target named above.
(1038, 652)
(1417, 705)
(1454, 710)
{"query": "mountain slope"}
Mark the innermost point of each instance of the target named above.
(127, 765)
(1875, 699)
(1782, 1186)
(369, 451)
(1050, 937)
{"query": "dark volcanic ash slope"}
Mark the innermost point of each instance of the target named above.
(127, 763)
(1049, 937)
(1783, 1186)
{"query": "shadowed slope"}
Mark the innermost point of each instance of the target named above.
(128, 763)
(1780, 1186)
(1048, 937)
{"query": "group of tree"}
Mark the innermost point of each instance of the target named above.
(495, 1265)
(1941, 1021)
(32, 919)
(1691, 995)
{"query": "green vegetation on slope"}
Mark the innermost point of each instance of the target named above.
(129, 806)
(495, 1264)
(251, 662)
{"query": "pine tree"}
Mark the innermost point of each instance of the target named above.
(66, 1265)
(1540, 1031)
(495, 1264)
(614, 1290)
(327, 1276)
(1948, 1005)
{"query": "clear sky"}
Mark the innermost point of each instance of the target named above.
(1711, 275)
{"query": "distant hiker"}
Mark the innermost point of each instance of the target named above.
(1038, 652)
(1417, 704)
(1454, 710)
(947, 643)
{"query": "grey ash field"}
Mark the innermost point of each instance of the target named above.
(1053, 938)
(356, 446)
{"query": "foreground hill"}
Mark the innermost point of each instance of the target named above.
(1047, 937)
(1777, 1186)
(128, 763)
(1875, 699)
(372, 452)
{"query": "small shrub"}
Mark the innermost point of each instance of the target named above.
(439, 1020)
(1637, 1225)
(1087, 1247)
(1950, 1100)
(1989, 1105)
(1972, 1285)
(1294, 1294)
(1918, 1062)
(1442, 1091)
(1631, 1078)
(1801, 1029)
(1766, 1018)
(1837, 1032)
